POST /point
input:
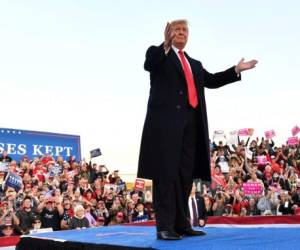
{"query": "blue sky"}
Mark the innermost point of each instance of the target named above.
(77, 66)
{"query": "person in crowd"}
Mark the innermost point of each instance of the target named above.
(25, 215)
(36, 223)
(253, 210)
(197, 210)
(240, 204)
(220, 201)
(79, 220)
(88, 214)
(118, 219)
(286, 205)
(218, 178)
(102, 212)
(130, 210)
(208, 203)
(102, 172)
(296, 195)
(140, 214)
(267, 203)
(222, 161)
(8, 230)
(4, 157)
(51, 211)
(68, 213)
(7, 214)
(113, 177)
(100, 222)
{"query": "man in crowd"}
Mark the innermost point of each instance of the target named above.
(51, 212)
(26, 215)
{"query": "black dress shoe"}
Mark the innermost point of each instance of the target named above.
(190, 232)
(167, 235)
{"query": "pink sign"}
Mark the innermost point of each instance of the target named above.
(139, 184)
(252, 188)
(270, 134)
(243, 132)
(295, 130)
(262, 160)
(293, 141)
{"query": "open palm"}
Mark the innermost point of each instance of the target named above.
(242, 65)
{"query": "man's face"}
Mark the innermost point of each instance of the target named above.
(181, 33)
(27, 203)
(7, 231)
(49, 205)
(80, 213)
(140, 207)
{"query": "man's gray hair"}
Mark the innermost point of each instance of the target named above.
(179, 21)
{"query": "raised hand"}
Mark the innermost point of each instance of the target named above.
(242, 65)
(168, 36)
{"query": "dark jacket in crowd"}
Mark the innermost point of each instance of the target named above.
(79, 223)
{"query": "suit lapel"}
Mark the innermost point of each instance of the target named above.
(175, 60)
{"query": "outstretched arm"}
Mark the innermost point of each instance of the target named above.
(230, 75)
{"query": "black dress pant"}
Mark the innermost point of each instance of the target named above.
(171, 198)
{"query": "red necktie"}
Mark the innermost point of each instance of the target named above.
(192, 93)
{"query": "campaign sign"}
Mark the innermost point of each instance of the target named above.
(139, 185)
(4, 166)
(219, 133)
(96, 152)
(295, 130)
(292, 141)
(219, 136)
(18, 143)
(249, 154)
(109, 186)
(270, 134)
(250, 188)
(55, 171)
(233, 138)
(14, 181)
(243, 132)
(262, 160)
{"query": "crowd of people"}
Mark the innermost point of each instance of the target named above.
(256, 178)
(57, 195)
(248, 179)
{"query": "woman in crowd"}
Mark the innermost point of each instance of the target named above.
(79, 220)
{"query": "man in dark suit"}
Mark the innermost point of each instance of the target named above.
(175, 141)
(197, 210)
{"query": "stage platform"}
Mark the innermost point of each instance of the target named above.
(144, 237)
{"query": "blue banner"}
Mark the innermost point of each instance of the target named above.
(14, 181)
(18, 143)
